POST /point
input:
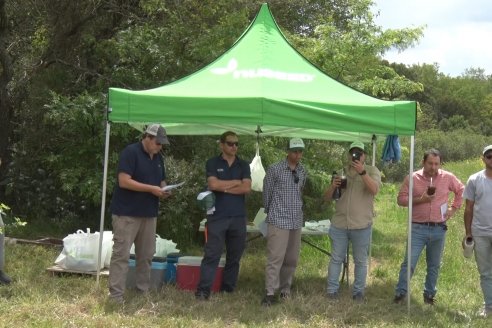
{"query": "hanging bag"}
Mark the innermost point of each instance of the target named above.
(257, 171)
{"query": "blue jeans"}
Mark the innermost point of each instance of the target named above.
(340, 238)
(483, 256)
(432, 238)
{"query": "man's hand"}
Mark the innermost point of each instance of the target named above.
(450, 212)
(426, 198)
(157, 191)
(358, 166)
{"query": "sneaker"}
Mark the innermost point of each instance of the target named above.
(485, 312)
(333, 297)
(201, 295)
(399, 299)
(429, 299)
(284, 296)
(268, 300)
(119, 300)
(4, 279)
(359, 297)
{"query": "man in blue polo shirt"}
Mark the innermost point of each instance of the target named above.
(229, 178)
(134, 208)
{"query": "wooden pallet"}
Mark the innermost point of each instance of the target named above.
(58, 270)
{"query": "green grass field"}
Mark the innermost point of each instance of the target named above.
(38, 299)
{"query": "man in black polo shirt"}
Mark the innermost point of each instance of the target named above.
(134, 208)
(229, 178)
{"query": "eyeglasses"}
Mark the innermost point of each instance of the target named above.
(296, 177)
(232, 144)
(488, 156)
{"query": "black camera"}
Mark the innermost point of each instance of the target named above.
(356, 156)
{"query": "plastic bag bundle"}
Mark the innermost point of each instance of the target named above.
(81, 249)
(162, 247)
(257, 172)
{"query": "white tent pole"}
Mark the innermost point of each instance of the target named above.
(103, 201)
(410, 210)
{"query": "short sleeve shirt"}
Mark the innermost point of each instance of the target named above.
(226, 204)
(479, 190)
(138, 164)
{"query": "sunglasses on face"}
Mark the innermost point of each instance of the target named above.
(489, 156)
(296, 177)
(232, 144)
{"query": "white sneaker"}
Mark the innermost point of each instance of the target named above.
(485, 312)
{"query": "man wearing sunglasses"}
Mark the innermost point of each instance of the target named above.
(229, 177)
(478, 224)
(352, 221)
(431, 209)
(282, 200)
(134, 208)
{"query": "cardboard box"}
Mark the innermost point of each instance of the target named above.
(156, 275)
(188, 273)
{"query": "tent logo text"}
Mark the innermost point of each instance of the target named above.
(253, 73)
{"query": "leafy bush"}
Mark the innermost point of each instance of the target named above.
(11, 223)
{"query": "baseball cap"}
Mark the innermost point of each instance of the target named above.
(486, 149)
(206, 200)
(159, 132)
(296, 144)
(357, 144)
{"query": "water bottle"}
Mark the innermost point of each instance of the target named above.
(337, 193)
(468, 245)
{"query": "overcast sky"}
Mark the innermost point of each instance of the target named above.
(458, 33)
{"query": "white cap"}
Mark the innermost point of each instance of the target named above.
(486, 149)
(296, 144)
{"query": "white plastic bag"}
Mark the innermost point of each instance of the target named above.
(108, 245)
(80, 251)
(162, 247)
(257, 172)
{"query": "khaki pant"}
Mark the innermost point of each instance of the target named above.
(126, 231)
(282, 256)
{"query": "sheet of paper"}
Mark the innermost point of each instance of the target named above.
(171, 187)
(260, 222)
(444, 210)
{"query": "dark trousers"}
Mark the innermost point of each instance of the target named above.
(232, 232)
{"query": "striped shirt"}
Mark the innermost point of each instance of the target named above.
(445, 182)
(282, 196)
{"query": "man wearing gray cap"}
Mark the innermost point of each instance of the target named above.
(352, 221)
(282, 200)
(478, 224)
(134, 208)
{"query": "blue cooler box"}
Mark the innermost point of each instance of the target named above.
(172, 261)
(156, 275)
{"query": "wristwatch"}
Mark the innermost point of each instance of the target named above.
(363, 172)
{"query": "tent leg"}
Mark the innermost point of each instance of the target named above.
(373, 163)
(410, 210)
(103, 202)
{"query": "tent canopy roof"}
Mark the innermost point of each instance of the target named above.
(263, 82)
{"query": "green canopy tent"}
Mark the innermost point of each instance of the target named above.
(260, 84)
(262, 81)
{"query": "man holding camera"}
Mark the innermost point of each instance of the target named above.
(352, 222)
(431, 188)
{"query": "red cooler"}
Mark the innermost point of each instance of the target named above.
(188, 273)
